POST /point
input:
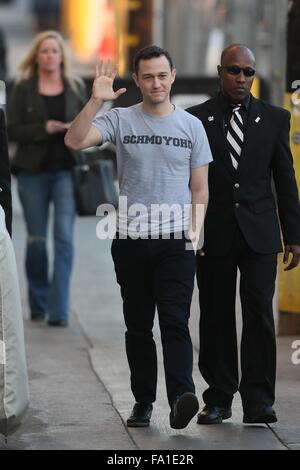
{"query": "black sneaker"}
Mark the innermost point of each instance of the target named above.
(140, 415)
(37, 316)
(57, 323)
(183, 410)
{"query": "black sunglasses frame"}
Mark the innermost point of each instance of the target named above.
(236, 70)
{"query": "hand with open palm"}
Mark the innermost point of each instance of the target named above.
(103, 90)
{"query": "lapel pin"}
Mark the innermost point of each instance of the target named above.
(211, 118)
(257, 119)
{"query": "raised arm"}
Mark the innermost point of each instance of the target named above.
(81, 133)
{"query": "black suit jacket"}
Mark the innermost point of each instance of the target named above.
(5, 194)
(246, 196)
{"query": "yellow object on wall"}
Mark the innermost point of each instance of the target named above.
(85, 22)
(289, 282)
(255, 90)
(98, 29)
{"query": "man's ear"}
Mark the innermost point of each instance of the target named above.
(219, 68)
(135, 79)
(173, 73)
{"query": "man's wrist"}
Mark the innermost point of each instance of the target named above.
(96, 102)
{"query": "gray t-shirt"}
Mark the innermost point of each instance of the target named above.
(155, 155)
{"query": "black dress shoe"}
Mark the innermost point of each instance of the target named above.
(263, 415)
(140, 415)
(183, 410)
(213, 415)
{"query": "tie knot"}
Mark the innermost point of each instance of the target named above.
(236, 107)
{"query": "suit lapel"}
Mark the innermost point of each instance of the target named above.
(255, 123)
(214, 127)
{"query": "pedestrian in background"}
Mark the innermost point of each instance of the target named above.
(249, 139)
(162, 158)
(41, 106)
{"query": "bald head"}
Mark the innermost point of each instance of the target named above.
(236, 72)
(234, 49)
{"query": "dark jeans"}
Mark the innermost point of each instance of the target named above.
(218, 358)
(156, 273)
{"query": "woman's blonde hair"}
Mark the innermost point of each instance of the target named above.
(28, 68)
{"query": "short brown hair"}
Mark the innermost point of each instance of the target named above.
(148, 53)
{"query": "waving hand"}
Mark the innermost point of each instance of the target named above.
(103, 83)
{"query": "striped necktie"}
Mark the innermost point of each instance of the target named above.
(235, 135)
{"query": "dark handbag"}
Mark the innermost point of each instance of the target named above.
(93, 183)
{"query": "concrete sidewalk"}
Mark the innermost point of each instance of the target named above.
(79, 378)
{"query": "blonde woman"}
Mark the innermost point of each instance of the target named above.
(43, 102)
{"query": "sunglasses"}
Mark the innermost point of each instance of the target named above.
(236, 70)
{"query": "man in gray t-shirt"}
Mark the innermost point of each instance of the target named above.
(155, 155)
(162, 156)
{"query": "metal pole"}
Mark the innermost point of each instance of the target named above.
(240, 24)
(158, 23)
(278, 51)
(188, 25)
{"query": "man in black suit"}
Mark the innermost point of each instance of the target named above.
(249, 140)
(5, 194)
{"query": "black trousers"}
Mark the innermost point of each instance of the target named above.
(156, 273)
(218, 356)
